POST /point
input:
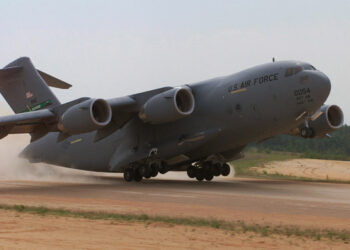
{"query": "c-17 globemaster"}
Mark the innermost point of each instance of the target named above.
(197, 127)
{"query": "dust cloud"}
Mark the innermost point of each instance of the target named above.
(14, 168)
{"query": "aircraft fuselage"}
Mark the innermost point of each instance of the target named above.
(230, 112)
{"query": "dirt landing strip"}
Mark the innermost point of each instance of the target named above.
(320, 205)
(254, 201)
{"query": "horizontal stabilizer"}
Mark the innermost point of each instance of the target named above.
(53, 81)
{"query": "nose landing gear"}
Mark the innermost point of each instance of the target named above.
(307, 132)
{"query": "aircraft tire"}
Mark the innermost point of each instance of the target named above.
(191, 171)
(307, 133)
(303, 132)
(128, 174)
(137, 176)
(154, 169)
(311, 133)
(225, 170)
(209, 176)
(163, 168)
(142, 170)
(200, 178)
(217, 169)
(148, 175)
(200, 174)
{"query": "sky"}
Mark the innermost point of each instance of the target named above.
(114, 48)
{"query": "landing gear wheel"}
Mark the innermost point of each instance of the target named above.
(303, 132)
(216, 169)
(143, 170)
(225, 169)
(148, 174)
(209, 176)
(311, 133)
(200, 174)
(307, 132)
(128, 174)
(163, 168)
(200, 178)
(154, 169)
(137, 176)
(191, 171)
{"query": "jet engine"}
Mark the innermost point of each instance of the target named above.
(330, 118)
(85, 117)
(168, 106)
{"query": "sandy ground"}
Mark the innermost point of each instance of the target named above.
(310, 168)
(320, 205)
(307, 205)
(26, 231)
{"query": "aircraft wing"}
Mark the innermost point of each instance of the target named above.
(43, 121)
(27, 122)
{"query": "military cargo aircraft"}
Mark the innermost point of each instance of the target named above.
(197, 127)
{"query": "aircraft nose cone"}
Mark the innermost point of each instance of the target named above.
(322, 86)
(325, 83)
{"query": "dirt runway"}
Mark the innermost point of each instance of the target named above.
(252, 200)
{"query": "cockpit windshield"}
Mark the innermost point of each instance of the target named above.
(295, 70)
(308, 67)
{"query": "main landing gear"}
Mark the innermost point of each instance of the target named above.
(145, 171)
(207, 171)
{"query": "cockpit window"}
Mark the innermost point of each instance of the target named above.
(289, 72)
(297, 69)
(293, 71)
(309, 67)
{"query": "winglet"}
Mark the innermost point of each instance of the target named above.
(53, 81)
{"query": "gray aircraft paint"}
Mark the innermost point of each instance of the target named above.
(225, 119)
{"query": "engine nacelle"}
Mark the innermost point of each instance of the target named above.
(331, 119)
(168, 106)
(85, 117)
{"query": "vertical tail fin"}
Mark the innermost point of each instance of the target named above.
(24, 88)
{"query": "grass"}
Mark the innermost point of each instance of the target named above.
(233, 227)
(255, 158)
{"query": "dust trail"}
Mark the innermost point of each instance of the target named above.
(14, 168)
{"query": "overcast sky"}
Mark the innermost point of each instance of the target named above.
(113, 48)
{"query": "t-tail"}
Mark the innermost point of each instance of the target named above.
(27, 89)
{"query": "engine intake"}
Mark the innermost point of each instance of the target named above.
(168, 106)
(330, 119)
(85, 117)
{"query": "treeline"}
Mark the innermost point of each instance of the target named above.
(335, 148)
